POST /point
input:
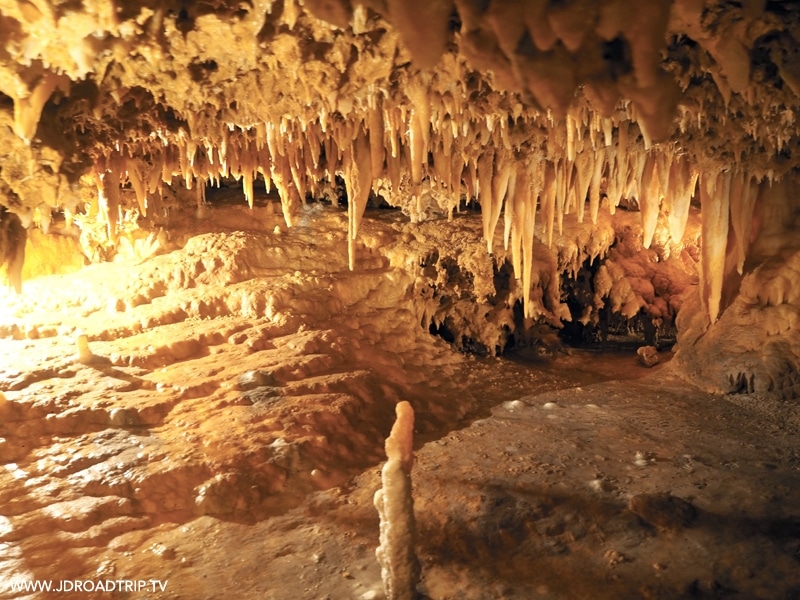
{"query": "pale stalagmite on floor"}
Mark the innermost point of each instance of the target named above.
(399, 565)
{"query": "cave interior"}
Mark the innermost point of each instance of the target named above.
(238, 235)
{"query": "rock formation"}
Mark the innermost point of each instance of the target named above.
(535, 111)
(396, 552)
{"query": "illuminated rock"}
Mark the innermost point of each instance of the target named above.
(112, 115)
(396, 553)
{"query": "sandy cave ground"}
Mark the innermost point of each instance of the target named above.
(227, 435)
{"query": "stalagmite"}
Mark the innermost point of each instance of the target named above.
(85, 355)
(714, 206)
(400, 569)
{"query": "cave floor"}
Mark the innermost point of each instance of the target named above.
(535, 501)
(224, 440)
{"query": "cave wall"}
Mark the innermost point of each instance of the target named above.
(537, 111)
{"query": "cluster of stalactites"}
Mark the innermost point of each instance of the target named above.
(517, 163)
(727, 203)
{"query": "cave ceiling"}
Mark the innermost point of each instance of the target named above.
(518, 104)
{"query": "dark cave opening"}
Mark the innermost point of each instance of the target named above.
(600, 328)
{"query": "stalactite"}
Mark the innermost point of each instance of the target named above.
(247, 186)
(28, 109)
(418, 155)
(282, 178)
(358, 181)
(376, 137)
(633, 184)
(470, 175)
(664, 160)
(548, 199)
(134, 174)
(683, 181)
(312, 144)
(743, 199)
(715, 191)
(297, 169)
(183, 163)
(456, 170)
(623, 132)
(608, 131)
(108, 202)
(530, 191)
(570, 124)
(274, 143)
(594, 186)
(500, 186)
(391, 120)
(617, 176)
(561, 193)
(584, 168)
(649, 199)
(509, 218)
(485, 175)
(154, 177)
